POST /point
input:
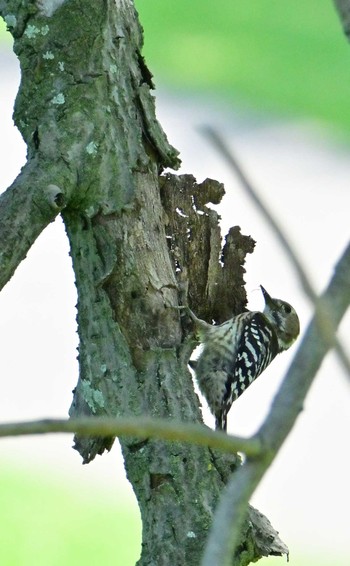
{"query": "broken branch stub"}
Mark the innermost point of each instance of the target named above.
(214, 272)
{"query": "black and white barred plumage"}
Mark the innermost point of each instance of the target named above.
(236, 352)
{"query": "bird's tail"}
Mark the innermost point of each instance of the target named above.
(221, 422)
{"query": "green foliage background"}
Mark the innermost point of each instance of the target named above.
(45, 521)
(288, 58)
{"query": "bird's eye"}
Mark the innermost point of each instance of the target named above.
(287, 309)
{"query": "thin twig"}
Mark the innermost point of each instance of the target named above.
(141, 427)
(300, 269)
(232, 510)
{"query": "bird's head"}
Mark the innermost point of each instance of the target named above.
(284, 319)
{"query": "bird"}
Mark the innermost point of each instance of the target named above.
(237, 351)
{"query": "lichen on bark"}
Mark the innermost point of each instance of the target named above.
(86, 112)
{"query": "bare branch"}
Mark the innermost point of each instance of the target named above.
(290, 398)
(288, 403)
(227, 153)
(343, 9)
(140, 427)
(26, 208)
(300, 269)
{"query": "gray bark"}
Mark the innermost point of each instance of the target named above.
(343, 9)
(95, 153)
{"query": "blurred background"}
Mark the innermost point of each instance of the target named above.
(274, 79)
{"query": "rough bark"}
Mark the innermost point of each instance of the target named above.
(86, 112)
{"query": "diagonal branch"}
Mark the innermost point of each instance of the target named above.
(287, 405)
(343, 9)
(26, 208)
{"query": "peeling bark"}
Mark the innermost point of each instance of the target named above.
(86, 112)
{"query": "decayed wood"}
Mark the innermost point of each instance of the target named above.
(86, 112)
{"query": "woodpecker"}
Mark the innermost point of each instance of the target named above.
(236, 352)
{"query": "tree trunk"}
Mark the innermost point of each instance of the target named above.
(96, 153)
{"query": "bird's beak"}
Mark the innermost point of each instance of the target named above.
(267, 298)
